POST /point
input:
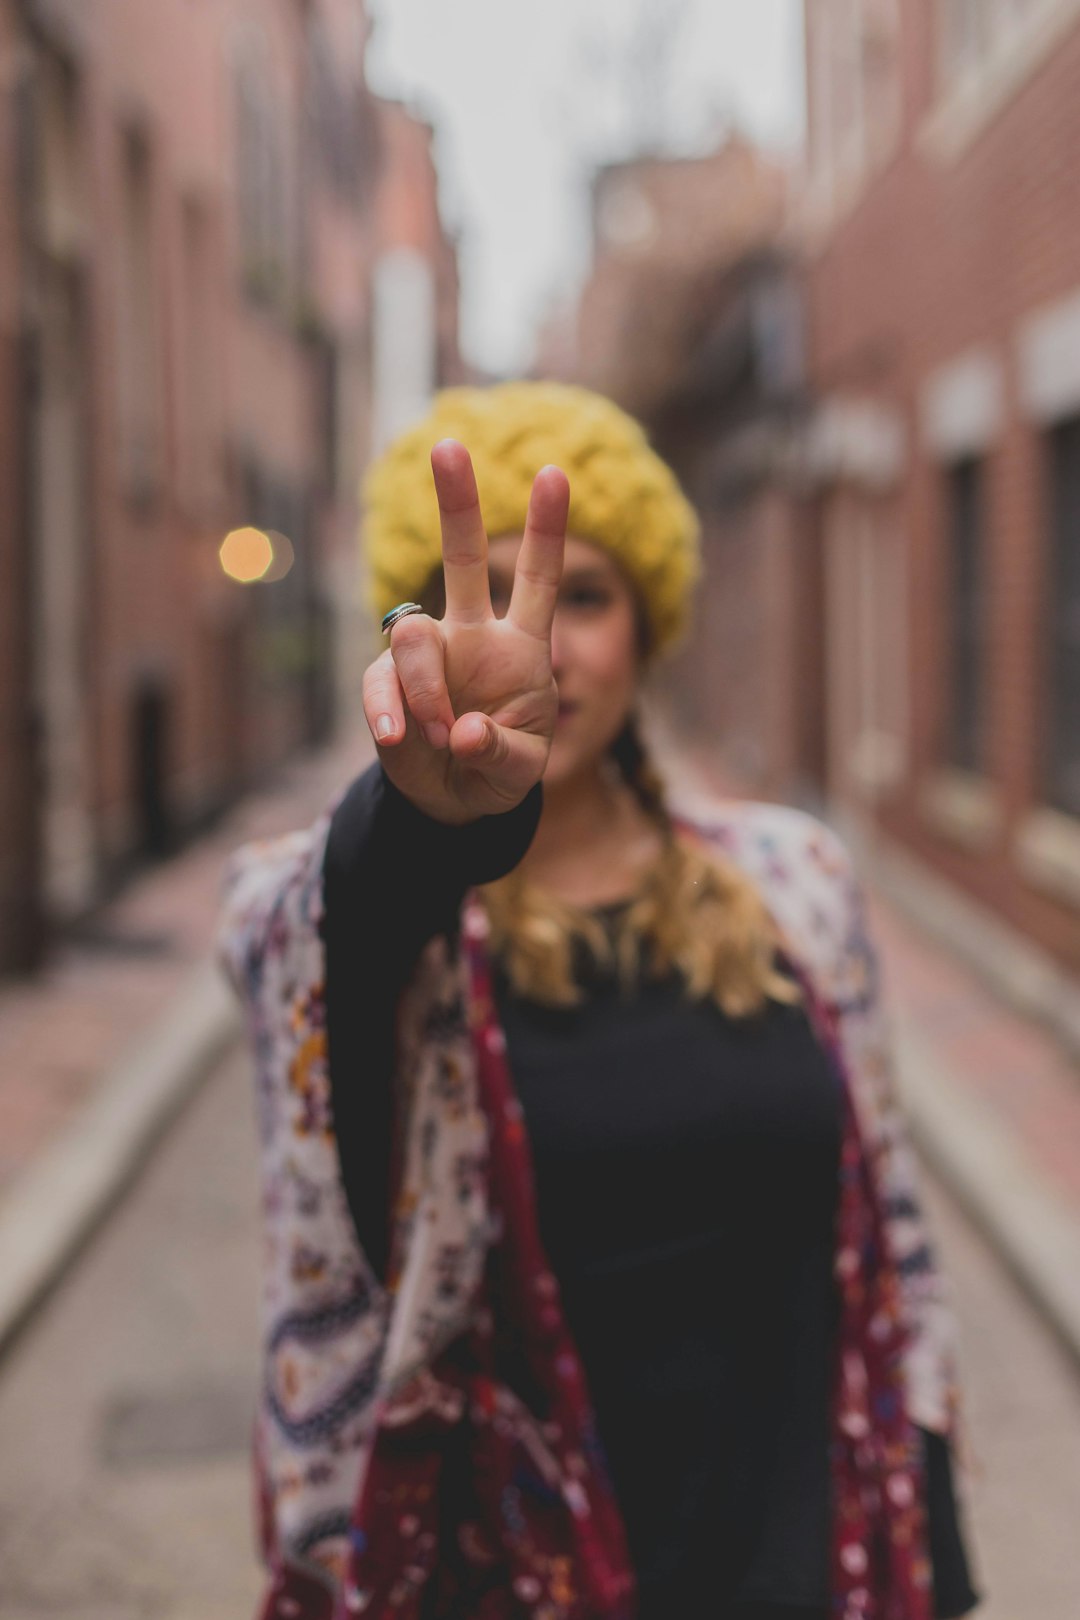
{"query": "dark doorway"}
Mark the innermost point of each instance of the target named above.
(150, 737)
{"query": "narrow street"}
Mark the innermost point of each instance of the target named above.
(789, 293)
(124, 1490)
(124, 1484)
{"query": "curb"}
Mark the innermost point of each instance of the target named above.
(1032, 1229)
(56, 1205)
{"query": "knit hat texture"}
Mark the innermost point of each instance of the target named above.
(623, 496)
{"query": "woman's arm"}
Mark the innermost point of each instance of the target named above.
(393, 878)
(462, 711)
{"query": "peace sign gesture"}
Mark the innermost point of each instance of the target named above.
(463, 708)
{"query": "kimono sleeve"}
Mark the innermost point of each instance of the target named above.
(240, 917)
(254, 878)
(932, 1362)
(864, 1015)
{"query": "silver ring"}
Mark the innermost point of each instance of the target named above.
(402, 611)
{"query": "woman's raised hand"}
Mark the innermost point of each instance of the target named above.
(463, 708)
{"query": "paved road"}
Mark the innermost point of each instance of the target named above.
(124, 1486)
(124, 1408)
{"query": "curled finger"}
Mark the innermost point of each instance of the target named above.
(419, 653)
(477, 738)
(510, 761)
(384, 701)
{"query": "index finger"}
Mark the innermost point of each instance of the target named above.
(464, 542)
(540, 559)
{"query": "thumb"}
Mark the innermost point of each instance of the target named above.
(476, 739)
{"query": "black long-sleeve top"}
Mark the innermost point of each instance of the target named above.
(668, 1143)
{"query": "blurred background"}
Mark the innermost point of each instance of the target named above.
(829, 253)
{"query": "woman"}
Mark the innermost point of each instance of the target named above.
(597, 1283)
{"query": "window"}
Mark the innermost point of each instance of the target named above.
(867, 645)
(137, 322)
(972, 32)
(61, 190)
(965, 741)
(334, 106)
(1062, 623)
(263, 177)
(966, 34)
(198, 361)
(855, 86)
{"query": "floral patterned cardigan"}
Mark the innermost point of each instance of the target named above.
(335, 1341)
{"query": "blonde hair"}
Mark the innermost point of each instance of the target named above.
(696, 914)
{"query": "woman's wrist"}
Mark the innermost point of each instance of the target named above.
(443, 810)
(483, 848)
(441, 813)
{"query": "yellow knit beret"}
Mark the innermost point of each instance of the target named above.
(623, 497)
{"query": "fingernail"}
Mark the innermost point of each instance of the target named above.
(384, 726)
(437, 734)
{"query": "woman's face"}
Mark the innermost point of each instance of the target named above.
(595, 649)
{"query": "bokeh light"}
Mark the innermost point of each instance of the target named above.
(283, 556)
(246, 554)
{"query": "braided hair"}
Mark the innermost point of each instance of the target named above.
(696, 915)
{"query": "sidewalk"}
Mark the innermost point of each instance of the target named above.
(97, 1057)
(994, 1104)
(99, 1053)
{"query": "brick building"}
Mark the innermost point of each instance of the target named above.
(943, 295)
(691, 318)
(190, 199)
(658, 225)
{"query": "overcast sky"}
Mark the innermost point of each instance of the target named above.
(526, 98)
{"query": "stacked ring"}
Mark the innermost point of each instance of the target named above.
(400, 612)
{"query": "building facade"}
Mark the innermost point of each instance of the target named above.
(191, 214)
(943, 298)
(691, 318)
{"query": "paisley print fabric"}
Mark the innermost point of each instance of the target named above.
(476, 1501)
(342, 1354)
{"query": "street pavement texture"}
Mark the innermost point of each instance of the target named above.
(125, 1407)
(125, 1486)
(99, 1050)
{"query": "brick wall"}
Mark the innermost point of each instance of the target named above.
(945, 251)
(189, 385)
